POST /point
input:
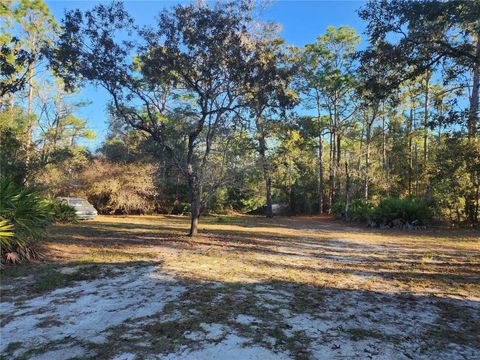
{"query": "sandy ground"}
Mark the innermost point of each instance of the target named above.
(151, 310)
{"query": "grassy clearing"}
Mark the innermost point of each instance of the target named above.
(254, 277)
(102, 255)
(297, 250)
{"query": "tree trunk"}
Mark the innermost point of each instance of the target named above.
(339, 152)
(268, 189)
(425, 122)
(440, 125)
(477, 200)
(410, 157)
(194, 191)
(472, 197)
(347, 189)
(417, 182)
(367, 161)
(262, 150)
(321, 185)
(384, 139)
(360, 149)
(320, 174)
(338, 166)
(474, 99)
(331, 194)
(28, 148)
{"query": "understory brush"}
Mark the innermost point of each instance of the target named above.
(24, 218)
(63, 213)
(388, 212)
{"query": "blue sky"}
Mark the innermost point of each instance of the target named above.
(302, 21)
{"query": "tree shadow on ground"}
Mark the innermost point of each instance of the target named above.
(432, 265)
(298, 319)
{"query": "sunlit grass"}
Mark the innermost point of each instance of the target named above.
(267, 272)
(301, 250)
(115, 256)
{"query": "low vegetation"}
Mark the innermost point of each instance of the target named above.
(115, 188)
(210, 113)
(246, 121)
(24, 218)
(285, 287)
(62, 212)
(388, 212)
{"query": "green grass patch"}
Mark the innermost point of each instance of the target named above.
(52, 279)
(12, 347)
(358, 334)
(12, 272)
(169, 336)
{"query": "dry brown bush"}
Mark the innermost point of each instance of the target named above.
(119, 188)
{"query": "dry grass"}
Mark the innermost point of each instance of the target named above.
(308, 287)
(302, 250)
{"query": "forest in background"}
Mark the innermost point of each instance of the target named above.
(211, 111)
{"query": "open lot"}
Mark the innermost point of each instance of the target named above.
(131, 287)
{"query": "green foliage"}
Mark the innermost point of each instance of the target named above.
(26, 28)
(338, 209)
(23, 212)
(6, 232)
(208, 113)
(359, 210)
(409, 37)
(25, 208)
(180, 208)
(396, 211)
(389, 211)
(13, 124)
(458, 162)
(63, 213)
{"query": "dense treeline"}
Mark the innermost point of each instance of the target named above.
(210, 111)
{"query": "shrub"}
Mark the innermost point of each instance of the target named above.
(6, 232)
(338, 209)
(390, 211)
(180, 208)
(24, 217)
(359, 210)
(63, 213)
(120, 188)
(395, 211)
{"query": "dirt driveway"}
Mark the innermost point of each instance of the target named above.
(247, 288)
